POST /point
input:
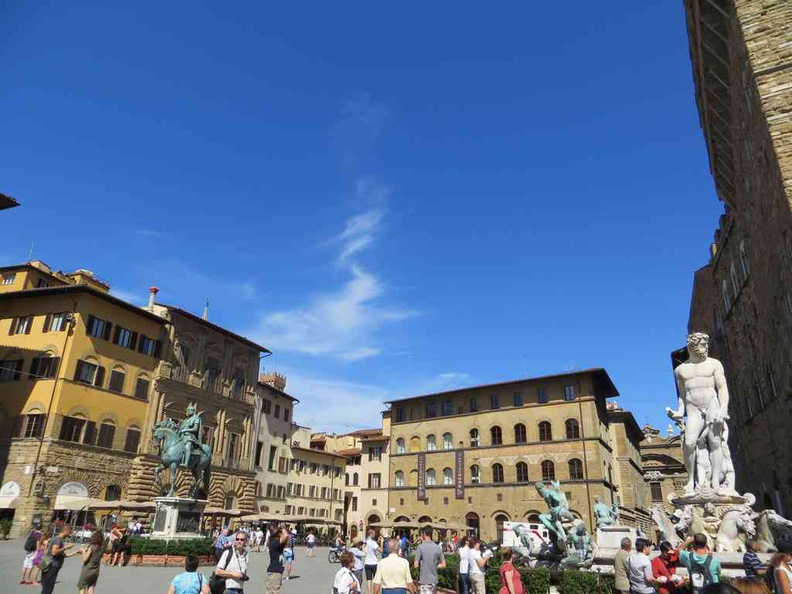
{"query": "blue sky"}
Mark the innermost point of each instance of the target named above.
(394, 198)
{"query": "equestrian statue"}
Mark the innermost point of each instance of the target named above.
(180, 446)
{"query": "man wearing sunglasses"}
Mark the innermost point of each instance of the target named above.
(234, 568)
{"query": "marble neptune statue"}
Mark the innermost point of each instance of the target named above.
(704, 407)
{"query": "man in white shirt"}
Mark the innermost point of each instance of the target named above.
(639, 569)
(464, 563)
(233, 564)
(371, 560)
(477, 561)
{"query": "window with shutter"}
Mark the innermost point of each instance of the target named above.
(72, 429)
(142, 388)
(11, 370)
(132, 440)
(89, 437)
(21, 325)
(99, 379)
(85, 372)
(31, 426)
(117, 377)
(44, 367)
(106, 435)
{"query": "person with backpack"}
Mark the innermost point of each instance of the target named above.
(703, 567)
(190, 581)
(54, 558)
(30, 547)
(233, 566)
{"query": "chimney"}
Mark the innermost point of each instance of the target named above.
(205, 315)
(152, 295)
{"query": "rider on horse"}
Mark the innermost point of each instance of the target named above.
(190, 431)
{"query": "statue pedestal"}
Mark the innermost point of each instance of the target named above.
(177, 517)
(610, 537)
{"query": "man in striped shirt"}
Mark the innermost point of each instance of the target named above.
(751, 564)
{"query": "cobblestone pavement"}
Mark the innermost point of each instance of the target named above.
(312, 576)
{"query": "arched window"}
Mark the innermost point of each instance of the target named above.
(575, 469)
(448, 476)
(415, 444)
(734, 279)
(413, 478)
(499, 520)
(106, 435)
(355, 480)
(431, 444)
(474, 438)
(522, 472)
(744, 264)
(399, 478)
(496, 435)
(431, 477)
(497, 473)
(545, 431)
(117, 380)
(519, 433)
(448, 441)
(572, 429)
(400, 448)
(548, 471)
(142, 387)
(726, 295)
(475, 474)
(132, 440)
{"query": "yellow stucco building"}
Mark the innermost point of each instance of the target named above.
(83, 378)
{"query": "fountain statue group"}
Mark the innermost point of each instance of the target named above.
(572, 544)
(180, 447)
(710, 504)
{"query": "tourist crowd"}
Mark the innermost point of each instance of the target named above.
(382, 564)
(636, 574)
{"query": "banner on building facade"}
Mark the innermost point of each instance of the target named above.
(459, 474)
(421, 476)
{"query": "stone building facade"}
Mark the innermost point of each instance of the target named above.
(472, 456)
(741, 59)
(366, 479)
(663, 466)
(315, 487)
(272, 459)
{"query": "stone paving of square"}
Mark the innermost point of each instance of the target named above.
(313, 576)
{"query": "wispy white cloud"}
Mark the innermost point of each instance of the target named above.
(133, 297)
(341, 405)
(339, 323)
(331, 404)
(452, 376)
(342, 322)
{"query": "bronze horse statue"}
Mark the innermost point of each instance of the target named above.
(171, 448)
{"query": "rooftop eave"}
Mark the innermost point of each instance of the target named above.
(709, 24)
